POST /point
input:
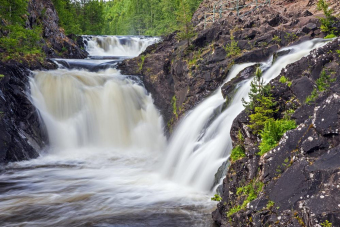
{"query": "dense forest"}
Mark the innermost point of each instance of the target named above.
(124, 17)
(15, 36)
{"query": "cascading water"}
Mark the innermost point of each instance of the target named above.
(125, 46)
(107, 143)
(196, 150)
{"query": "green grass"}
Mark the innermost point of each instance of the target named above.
(174, 105)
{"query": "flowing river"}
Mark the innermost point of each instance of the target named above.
(109, 162)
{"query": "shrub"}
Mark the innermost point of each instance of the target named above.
(283, 79)
(322, 84)
(272, 133)
(237, 153)
(327, 23)
(232, 49)
(326, 224)
(276, 39)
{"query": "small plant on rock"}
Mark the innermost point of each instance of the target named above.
(272, 133)
(237, 153)
(327, 23)
(232, 49)
(326, 224)
(217, 198)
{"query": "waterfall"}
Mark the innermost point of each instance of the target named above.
(196, 150)
(124, 46)
(82, 109)
(109, 163)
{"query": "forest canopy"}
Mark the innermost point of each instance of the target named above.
(123, 17)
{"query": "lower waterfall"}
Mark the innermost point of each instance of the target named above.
(109, 163)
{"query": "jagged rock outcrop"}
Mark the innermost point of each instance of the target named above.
(300, 176)
(180, 76)
(22, 132)
(56, 43)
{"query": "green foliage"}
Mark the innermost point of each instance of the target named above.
(327, 23)
(232, 48)
(142, 58)
(290, 36)
(17, 41)
(237, 153)
(322, 84)
(217, 198)
(338, 51)
(149, 17)
(326, 224)
(284, 80)
(276, 39)
(186, 29)
(174, 105)
(250, 192)
(330, 36)
(261, 103)
(272, 132)
(270, 204)
(263, 112)
(196, 56)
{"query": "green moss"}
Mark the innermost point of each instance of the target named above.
(174, 105)
(142, 58)
(2, 76)
(322, 84)
(217, 198)
(237, 153)
(270, 204)
(250, 192)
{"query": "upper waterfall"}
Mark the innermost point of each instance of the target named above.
(123, 46)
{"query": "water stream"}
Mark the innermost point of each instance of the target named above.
(109, 163)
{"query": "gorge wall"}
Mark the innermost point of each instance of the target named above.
(22, 132)
(300, 177)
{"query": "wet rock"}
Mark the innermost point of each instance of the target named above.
(22, 134)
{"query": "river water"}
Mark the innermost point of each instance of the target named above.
(109, 163)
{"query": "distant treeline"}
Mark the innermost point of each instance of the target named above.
(123, 17)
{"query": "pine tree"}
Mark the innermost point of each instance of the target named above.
(184, 19)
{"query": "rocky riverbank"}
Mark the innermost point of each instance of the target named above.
(180, 76)
(296, 183)
(22, 132)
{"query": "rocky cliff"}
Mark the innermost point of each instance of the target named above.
(180, 76)
(22, 132)
(299, 177)
(297, 182)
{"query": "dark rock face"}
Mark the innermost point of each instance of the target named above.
(182, 76)
(300, 175)
(57, 44)
(22, 132)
